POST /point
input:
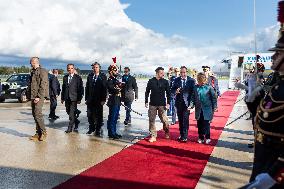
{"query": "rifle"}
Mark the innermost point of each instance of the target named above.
(131, 109)
(237, 118)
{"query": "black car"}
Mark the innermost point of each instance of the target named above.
(15, 87)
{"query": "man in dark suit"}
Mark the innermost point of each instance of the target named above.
(183, 86)
(54, 92)
(129, 92)
(72, 94)
(95, 97)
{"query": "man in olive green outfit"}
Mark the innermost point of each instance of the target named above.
(37, 91)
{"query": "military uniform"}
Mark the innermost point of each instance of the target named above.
(268, 166)
(38, 87)
(269, 136)
(114, 102)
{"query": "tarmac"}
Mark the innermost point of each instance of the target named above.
(28, 164)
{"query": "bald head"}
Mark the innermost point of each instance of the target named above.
(34, 61)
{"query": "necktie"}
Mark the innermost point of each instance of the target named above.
(95, 79)
(184, 93)
(183, 83)
(70, 78)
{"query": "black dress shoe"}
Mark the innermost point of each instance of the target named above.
(51, 117)
(117, 135)
(97, 134)
(76, 130)
(76, 126)
(68, 131)
(125, 123)
(56, 117)
(89, 132)
(110, 136)
(183, 140)
(251, 145)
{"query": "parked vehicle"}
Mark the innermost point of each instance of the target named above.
(15, 87)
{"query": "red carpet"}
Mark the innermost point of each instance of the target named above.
(165, 164)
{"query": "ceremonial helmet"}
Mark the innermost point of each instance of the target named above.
(278, 56)
(206, 68)
(112, 68)
(260, 67)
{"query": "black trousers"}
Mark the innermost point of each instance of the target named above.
(71, 107)
(53, 105)
(183, 118)
(203, 127)
(95, 116)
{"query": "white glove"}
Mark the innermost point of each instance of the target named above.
(262, 181)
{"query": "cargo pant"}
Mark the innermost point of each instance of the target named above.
(152, 112)
(38, 116)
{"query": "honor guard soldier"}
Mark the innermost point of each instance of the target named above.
(114, 86)
(268, 166)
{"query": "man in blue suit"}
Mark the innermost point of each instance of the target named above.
(183, 86)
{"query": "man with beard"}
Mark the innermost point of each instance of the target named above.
(159, 102)
(37, 91)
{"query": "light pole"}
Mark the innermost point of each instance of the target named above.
(254, 26)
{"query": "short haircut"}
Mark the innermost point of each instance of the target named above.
(70, 65)
(127, 68)
(34, 57)
(183, 67)
(158, 69)
(55, 70)
(96, 63)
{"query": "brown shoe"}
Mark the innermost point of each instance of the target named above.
(42, 137)
(34, 137)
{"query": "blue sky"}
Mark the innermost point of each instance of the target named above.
(208, 20)
(94, 30)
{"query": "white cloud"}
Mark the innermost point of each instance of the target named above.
(96, 30)
(265, 39)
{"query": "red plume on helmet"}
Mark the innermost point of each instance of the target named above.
(281, 12)
(114, 60)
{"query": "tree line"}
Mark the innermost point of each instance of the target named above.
(7, 70)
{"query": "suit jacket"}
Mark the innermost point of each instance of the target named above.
(171, 83)
(38, 86)
(96, 90)
(129, 89)
(73, 91)
(183, 98)
(204, 99)
(54, 86)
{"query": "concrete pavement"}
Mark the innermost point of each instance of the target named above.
(28, 164)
